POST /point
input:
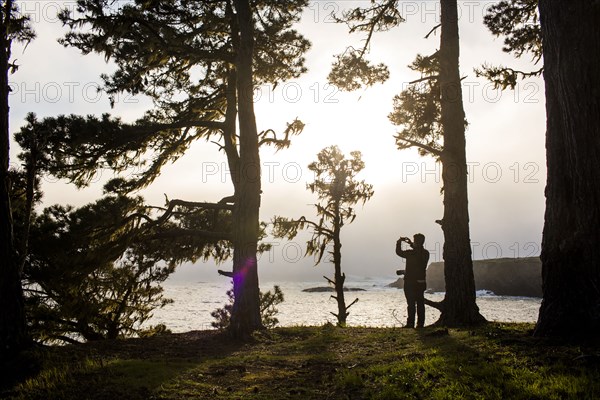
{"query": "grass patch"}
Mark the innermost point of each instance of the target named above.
(495, 361)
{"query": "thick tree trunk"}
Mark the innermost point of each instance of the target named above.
(459, 307)
(571, 239)
(245, 315)
(13, 335)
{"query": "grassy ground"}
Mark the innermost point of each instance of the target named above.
(496, 361)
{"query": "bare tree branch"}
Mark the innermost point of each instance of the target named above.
(351, 304)
(433, 30)
(329, 280)
(414, 143)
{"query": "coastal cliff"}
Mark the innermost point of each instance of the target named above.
(503, 276)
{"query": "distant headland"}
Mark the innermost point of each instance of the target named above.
(503, 276)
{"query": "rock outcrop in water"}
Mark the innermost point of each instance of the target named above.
(503, 276)
(330, 289)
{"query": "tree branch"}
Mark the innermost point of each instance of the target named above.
(228, 200)
(66, 339)
(433, 30)
(351, 304)
(191, 204)
(426, 78)
(207, 206)
(414, 143)
(439, 305)
(225, 273)
(274, 141)
(373, 25)
(185, 124)
(174, 233)
(329, 280)
(293, 128)
(314, 225)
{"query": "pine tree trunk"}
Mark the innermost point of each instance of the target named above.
(13, 335)
(571, 238)
(339, 278)
(245, 315)
(459, 306)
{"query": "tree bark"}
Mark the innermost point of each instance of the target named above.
(13, 336)
(245, 315)
(571, 237)
(339, 279)
(460, 307)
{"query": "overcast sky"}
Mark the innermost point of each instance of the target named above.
(505, 141)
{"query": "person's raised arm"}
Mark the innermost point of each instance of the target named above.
(399, 251)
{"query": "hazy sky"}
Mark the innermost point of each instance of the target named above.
(505, 141)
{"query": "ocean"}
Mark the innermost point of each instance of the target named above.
(378, 305)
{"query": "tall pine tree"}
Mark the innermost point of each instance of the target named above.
(13, 336)
(434, 121)
(199, 62)
(564, 36)
(571, 238)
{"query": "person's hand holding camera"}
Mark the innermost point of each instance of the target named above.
(405, 239)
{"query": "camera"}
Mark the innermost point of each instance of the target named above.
(400, 272)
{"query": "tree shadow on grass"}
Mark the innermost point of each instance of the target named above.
(114, 369)
(281, 364)
(494, 362)
(293, 363)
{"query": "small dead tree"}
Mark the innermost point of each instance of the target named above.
(338, 191)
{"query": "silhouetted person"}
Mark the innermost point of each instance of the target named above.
(414, 277)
